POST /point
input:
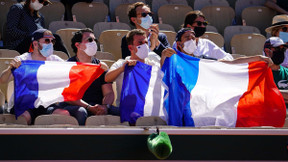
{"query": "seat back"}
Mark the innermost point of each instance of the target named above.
(230, 31)
(10, 90)
(2, 100)
(214, 37)
(109, 63)
(199, 4)
(104, 56)
(102, 26)
(219, 16)
(55, 120)
(98, 120)
(210, 28)
(61, 54)
(150, 121)
(113, 4)
(240, 5)
(57, 25)
(53, 12)
(166, 27)
(4, 63)
(11, 119)
(262, 17)
(248, 44)
(156, 4)
(6, 53)
(110, 41)
(171, 36)
(66, 36)
(173, 14)
(90, 13)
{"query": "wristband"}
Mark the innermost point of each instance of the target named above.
(87, 107)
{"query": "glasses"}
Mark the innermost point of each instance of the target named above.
(144, 14)
(47, 41)
(284, 29)
(91, 40)
(199, 23)
(45, 3)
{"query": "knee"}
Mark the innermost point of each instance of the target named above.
(61, 112)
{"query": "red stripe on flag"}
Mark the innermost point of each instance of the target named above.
(262, 104)
(81, 77)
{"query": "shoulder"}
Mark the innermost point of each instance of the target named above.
(117, 64)
(72, 59)
(19, 6)
(24, 56)
(55, 58)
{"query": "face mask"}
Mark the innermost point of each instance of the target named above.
(190, 46)
(199, 31)
(47, 49)
(284, 36)
(91, 48)
(278, 56)
(146, 22)
(36, 5)
(142, 51)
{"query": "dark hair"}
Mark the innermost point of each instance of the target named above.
(191, 17)
(130, 35)
(78, 37)
(181, 32)
(27, 8)
(132, 10)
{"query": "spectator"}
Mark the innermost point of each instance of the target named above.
(140, 16)
(281, 6)
(275, 48)
(42, 50)
(22, 20)
(99, 96)
(196, 21)
(279, 28)
(138, 46)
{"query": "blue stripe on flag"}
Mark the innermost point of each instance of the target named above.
(135, 86)
(180, 76)
(25, 86)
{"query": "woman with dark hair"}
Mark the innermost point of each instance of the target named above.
(22, 20)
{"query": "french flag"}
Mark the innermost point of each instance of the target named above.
(141, 93)
(203, 92)
(40, 83)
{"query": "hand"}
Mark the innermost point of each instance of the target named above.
(98, 109)
(268, 60)
(15, 63)
(154, 32)
(130, 63)
(168, 52)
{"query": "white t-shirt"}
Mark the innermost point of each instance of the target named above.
(210, 49)
(119, 79)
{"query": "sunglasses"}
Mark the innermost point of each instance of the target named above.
(199, 23)
(144, 14)
(47, 41)
(91, 40)
(284, 29)
(45, 3)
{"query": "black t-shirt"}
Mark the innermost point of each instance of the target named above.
(283, 4)
(93, 94)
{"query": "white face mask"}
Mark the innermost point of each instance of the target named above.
(36, 5)
(91, 48)
(47, 49)
(142, 51)
(146, 22)
(190, 46)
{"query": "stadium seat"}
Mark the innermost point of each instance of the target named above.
(66, 36)
(55, 120)
(240, 5)
(53, 12)
(173, 15)
(121, 14)
(219, 16)
(109, 63)
(4, 9)
(102, 26)
(6, 53)
(110, 41)
(150, 121)
(10, 90)
(210, 28)
(156, 4)
(286, 123)
(262, 17)
(230, 31)
(57, 25)
(214, 37)
(98, 120)
(248, 44)
(11, 119)
(199, 4)
(4, 63)
(171, 36)
(104, 56)
(90, 13)
(113, 4)
(2, 100)
(61, 54)
(166, 27)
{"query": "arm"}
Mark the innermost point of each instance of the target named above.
(112, 74)
(272, 4)
(163, 44)
(6, 74)
(249, 59)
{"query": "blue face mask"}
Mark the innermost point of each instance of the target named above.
(47, 49)
(146, 22)
(284, 36)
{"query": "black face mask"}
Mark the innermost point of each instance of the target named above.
(199, 31)
(278, 56)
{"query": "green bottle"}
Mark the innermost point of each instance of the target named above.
(159, 144)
